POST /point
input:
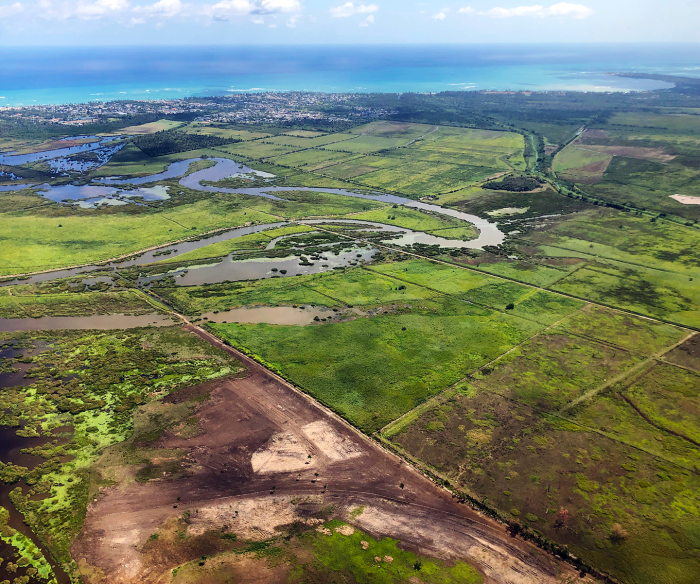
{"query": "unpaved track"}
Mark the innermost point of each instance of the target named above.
(263, 415)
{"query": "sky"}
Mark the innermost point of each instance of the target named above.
(207, 22)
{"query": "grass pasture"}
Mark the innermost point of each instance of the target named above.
(372, 370)
(612, 484)
(581, 165)
(73, 304)
(48, 239)
(151, 127)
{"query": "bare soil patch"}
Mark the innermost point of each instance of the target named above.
(228, 486)
(592, 134)
(641, 153)
(590, 173)
(687, 355)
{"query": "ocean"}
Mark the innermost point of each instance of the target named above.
(51, 75)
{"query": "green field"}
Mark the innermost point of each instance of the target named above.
(612, 488)
(74, 304)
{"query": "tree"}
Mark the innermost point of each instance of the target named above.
(563, 517)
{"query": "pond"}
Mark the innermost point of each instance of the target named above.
(98, 322)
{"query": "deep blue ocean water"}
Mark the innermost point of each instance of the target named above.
(53, 75)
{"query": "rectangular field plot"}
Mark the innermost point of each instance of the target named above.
(667, 296)
(233, 132)
(536, 305)
(258, 149)
(366, 144)
(631, 333)
(420, 178)
(400, 130)
(675, 122)
(526, 272)
(553, 369)
(626, 238)
(597, 495)
(299, 142)
(657, 413)
(311, 160)
(374, 369)
(581, 165)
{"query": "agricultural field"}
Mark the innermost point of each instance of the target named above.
(151, 128)
(594, 476)
(640, 159)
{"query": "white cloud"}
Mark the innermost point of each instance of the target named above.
(440, 15)
(167, 8)
(292, 22)
(561, 9)
(349, 9)
(229, 8)
(8, 10)
(367, 21)
(100, 9)
(466, 10)
(82, 9)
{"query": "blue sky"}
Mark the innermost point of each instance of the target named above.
(138, 22)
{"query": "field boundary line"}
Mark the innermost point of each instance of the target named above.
(466, 378)
(506, 279)
(635, 372)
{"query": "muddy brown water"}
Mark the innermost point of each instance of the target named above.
(280, 315)
(97, 322)
(233, 270)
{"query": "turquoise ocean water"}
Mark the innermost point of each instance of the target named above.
(50, 75)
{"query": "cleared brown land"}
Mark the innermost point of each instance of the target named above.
(687, 355)
(653, 154)
(591, 134)
(247, 469)
(590, 173)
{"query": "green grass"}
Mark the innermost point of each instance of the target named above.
(527, 272)
(413, 219)
(253, 241)
(417, 178)
(257, 149)
(73, 304)
(682, 123)
(539, 306)
(310, 159)
(662, 295)
(371, 370)
(343, 555)
(43, 240)
(622, 330)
